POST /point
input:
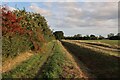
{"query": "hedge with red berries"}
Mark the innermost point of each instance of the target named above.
(22, 31)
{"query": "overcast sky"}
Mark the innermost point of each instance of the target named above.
(99, 18)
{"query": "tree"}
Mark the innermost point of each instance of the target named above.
(93, 37)
(59, 35)
(110, 35)
(101, 37)
(116, 37)
(78, 35)
(118, 34)
(10, 23)
(86, 37)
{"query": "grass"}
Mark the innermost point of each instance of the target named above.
(29, 68)
(54, 63)
(53, 67)
(58, 66)
(99, 64)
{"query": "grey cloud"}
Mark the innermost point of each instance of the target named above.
(91, 14)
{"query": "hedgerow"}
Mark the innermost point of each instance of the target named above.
(23, 31)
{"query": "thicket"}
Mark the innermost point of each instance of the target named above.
(22, 31)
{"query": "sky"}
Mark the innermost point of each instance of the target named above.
(75, 17)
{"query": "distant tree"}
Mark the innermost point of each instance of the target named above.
(78, 35)
(116, 37)
(93, 37)
(100, 37)
(110, 35)
(118, 34)
(86, 37)
(59, 35)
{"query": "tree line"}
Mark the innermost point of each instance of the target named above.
(60, 35)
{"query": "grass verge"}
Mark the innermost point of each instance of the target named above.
(29, 68)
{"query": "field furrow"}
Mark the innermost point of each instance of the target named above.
(104, 50)
(100, 46)
(98, 63)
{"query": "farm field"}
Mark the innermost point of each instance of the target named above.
(101, 63)
(110, 42)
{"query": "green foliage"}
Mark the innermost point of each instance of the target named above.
(93, 37)
(110, 35)
(12, 46)
(36, 33)
(59, 35)
(33, 22)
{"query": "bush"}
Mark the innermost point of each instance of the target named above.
(23, 31)
(15, 45)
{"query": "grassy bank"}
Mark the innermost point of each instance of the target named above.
(29, 68)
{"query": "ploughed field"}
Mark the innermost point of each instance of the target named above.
(100, 57)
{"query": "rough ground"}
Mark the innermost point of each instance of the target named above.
(12, 63)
